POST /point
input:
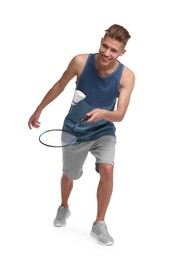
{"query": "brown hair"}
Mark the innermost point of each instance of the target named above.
(118, 33)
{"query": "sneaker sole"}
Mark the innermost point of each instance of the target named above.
(59, 225)
(62, 225)
(96, 237)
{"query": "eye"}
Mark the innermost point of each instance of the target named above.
(114, 51)
(104, 46)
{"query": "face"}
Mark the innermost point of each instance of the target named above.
(110, 50)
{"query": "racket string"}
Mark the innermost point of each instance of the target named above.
(67, 138)
(57, 138)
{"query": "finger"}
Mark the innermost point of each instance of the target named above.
(36, 124)
(86, 118)
(91, 118)
(30, 125)
(89, 114)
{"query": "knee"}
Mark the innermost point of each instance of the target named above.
(66, 179)
(106, 171)
(72, 175)
(106, 168)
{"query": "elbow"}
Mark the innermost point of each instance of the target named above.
(119, 119)
(114, 116)
(120, 114)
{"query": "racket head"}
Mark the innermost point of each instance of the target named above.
(57, 138)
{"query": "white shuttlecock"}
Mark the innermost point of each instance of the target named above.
(78, 96)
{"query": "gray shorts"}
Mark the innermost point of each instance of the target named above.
(74, 156)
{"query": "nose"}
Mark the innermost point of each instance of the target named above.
(107, 52)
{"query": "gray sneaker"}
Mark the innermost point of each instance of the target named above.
(62, 215)
(99, 231)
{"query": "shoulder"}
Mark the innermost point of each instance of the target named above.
(80, 59)
(128, 77)
(128, 72)
(78, 62)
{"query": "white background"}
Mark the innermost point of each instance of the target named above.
(38, 39)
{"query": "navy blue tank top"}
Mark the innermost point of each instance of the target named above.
(101, 92)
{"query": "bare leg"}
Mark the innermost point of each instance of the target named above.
(104, 190)
(66, 188)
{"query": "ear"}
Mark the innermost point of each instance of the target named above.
(123, 52)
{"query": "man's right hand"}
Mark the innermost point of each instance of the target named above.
(33, 121)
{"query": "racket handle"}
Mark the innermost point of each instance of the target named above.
(86, 118)
(82, 120)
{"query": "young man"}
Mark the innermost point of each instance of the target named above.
(103, 80)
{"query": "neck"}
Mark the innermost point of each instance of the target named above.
(105, 70)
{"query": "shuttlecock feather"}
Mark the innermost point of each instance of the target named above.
(78, 96)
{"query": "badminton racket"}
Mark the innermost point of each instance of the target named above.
(60, 137)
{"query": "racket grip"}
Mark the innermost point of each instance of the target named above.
(86, 118)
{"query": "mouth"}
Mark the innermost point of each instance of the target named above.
(104, 59)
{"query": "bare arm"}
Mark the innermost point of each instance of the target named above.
(54, 92)
(127, 85)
